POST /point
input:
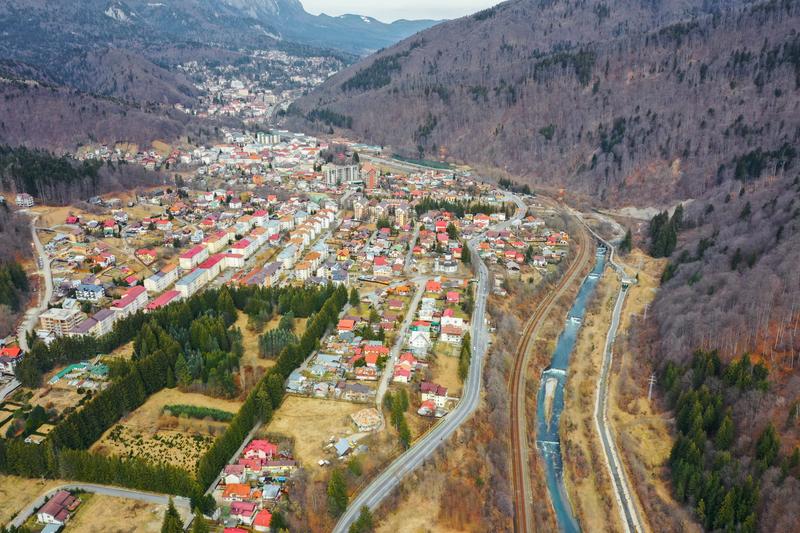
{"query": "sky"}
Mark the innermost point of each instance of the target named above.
(390, 10)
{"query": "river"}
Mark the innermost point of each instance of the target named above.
(551, 400)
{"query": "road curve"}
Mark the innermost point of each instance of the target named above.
(142, 496)
(523, 493)
(421, 450)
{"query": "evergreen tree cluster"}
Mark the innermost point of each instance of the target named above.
(267, 395)
(13, 285)
(398, 405)
(457, 207)
(722, 488)
(464, 357)
(664, 232)
(273, 341)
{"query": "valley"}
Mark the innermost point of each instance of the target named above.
(530, 269)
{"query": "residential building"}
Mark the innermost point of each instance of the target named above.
(60, 321)
(24, 200)
(58, 508)
(10, 356)
(89, 292)
(132, 301)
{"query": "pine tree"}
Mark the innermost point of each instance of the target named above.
(768, 446)
(263, 405)
(364, 523)
(465, 254)
(275, 389)
(172, 520)
(337, 493)
(199, 524)
(627, 243)
(724, 438)
(354, 298)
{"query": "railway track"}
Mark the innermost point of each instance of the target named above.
(519, 433)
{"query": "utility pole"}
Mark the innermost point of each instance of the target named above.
(652, 382)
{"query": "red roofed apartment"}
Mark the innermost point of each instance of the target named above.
(193, 257)
(134, 299)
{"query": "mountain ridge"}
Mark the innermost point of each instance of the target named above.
(619, 115)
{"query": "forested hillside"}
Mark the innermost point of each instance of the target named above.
(731, 289)
(61, 180)
(625, 101)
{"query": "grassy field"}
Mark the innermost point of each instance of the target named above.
(311, 422)
(123, 352)
(106, 514)
(416, 514)
(250, 338)
(158, 437)
(445, 368)
(16, 492)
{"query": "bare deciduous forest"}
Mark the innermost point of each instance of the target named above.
(627, 101)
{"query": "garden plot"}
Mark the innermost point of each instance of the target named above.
(154, 434)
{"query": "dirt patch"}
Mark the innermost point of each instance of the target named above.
(311, 422)
(17, 492)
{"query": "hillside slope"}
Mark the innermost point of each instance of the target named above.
(631, 100)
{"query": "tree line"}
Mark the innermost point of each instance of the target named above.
(457, 207)
(13, 284)
(64, 454)
(664, 232)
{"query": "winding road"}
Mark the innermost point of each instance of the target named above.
(424, 448)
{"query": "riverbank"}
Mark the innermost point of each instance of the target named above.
(548, 437)
(585, 472)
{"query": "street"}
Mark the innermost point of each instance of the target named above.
(32, 314)
(424, 448)
(182, 504)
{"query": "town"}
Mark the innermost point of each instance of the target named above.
(279, 212)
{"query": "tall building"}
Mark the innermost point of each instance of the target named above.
(60, 321)
(341, 174)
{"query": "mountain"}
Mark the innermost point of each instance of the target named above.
(350, 33)
(636, 100)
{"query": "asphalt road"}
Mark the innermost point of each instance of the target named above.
(415, 456)
(388, 370)
(32, 315)
(629, 514)
(147, 497)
